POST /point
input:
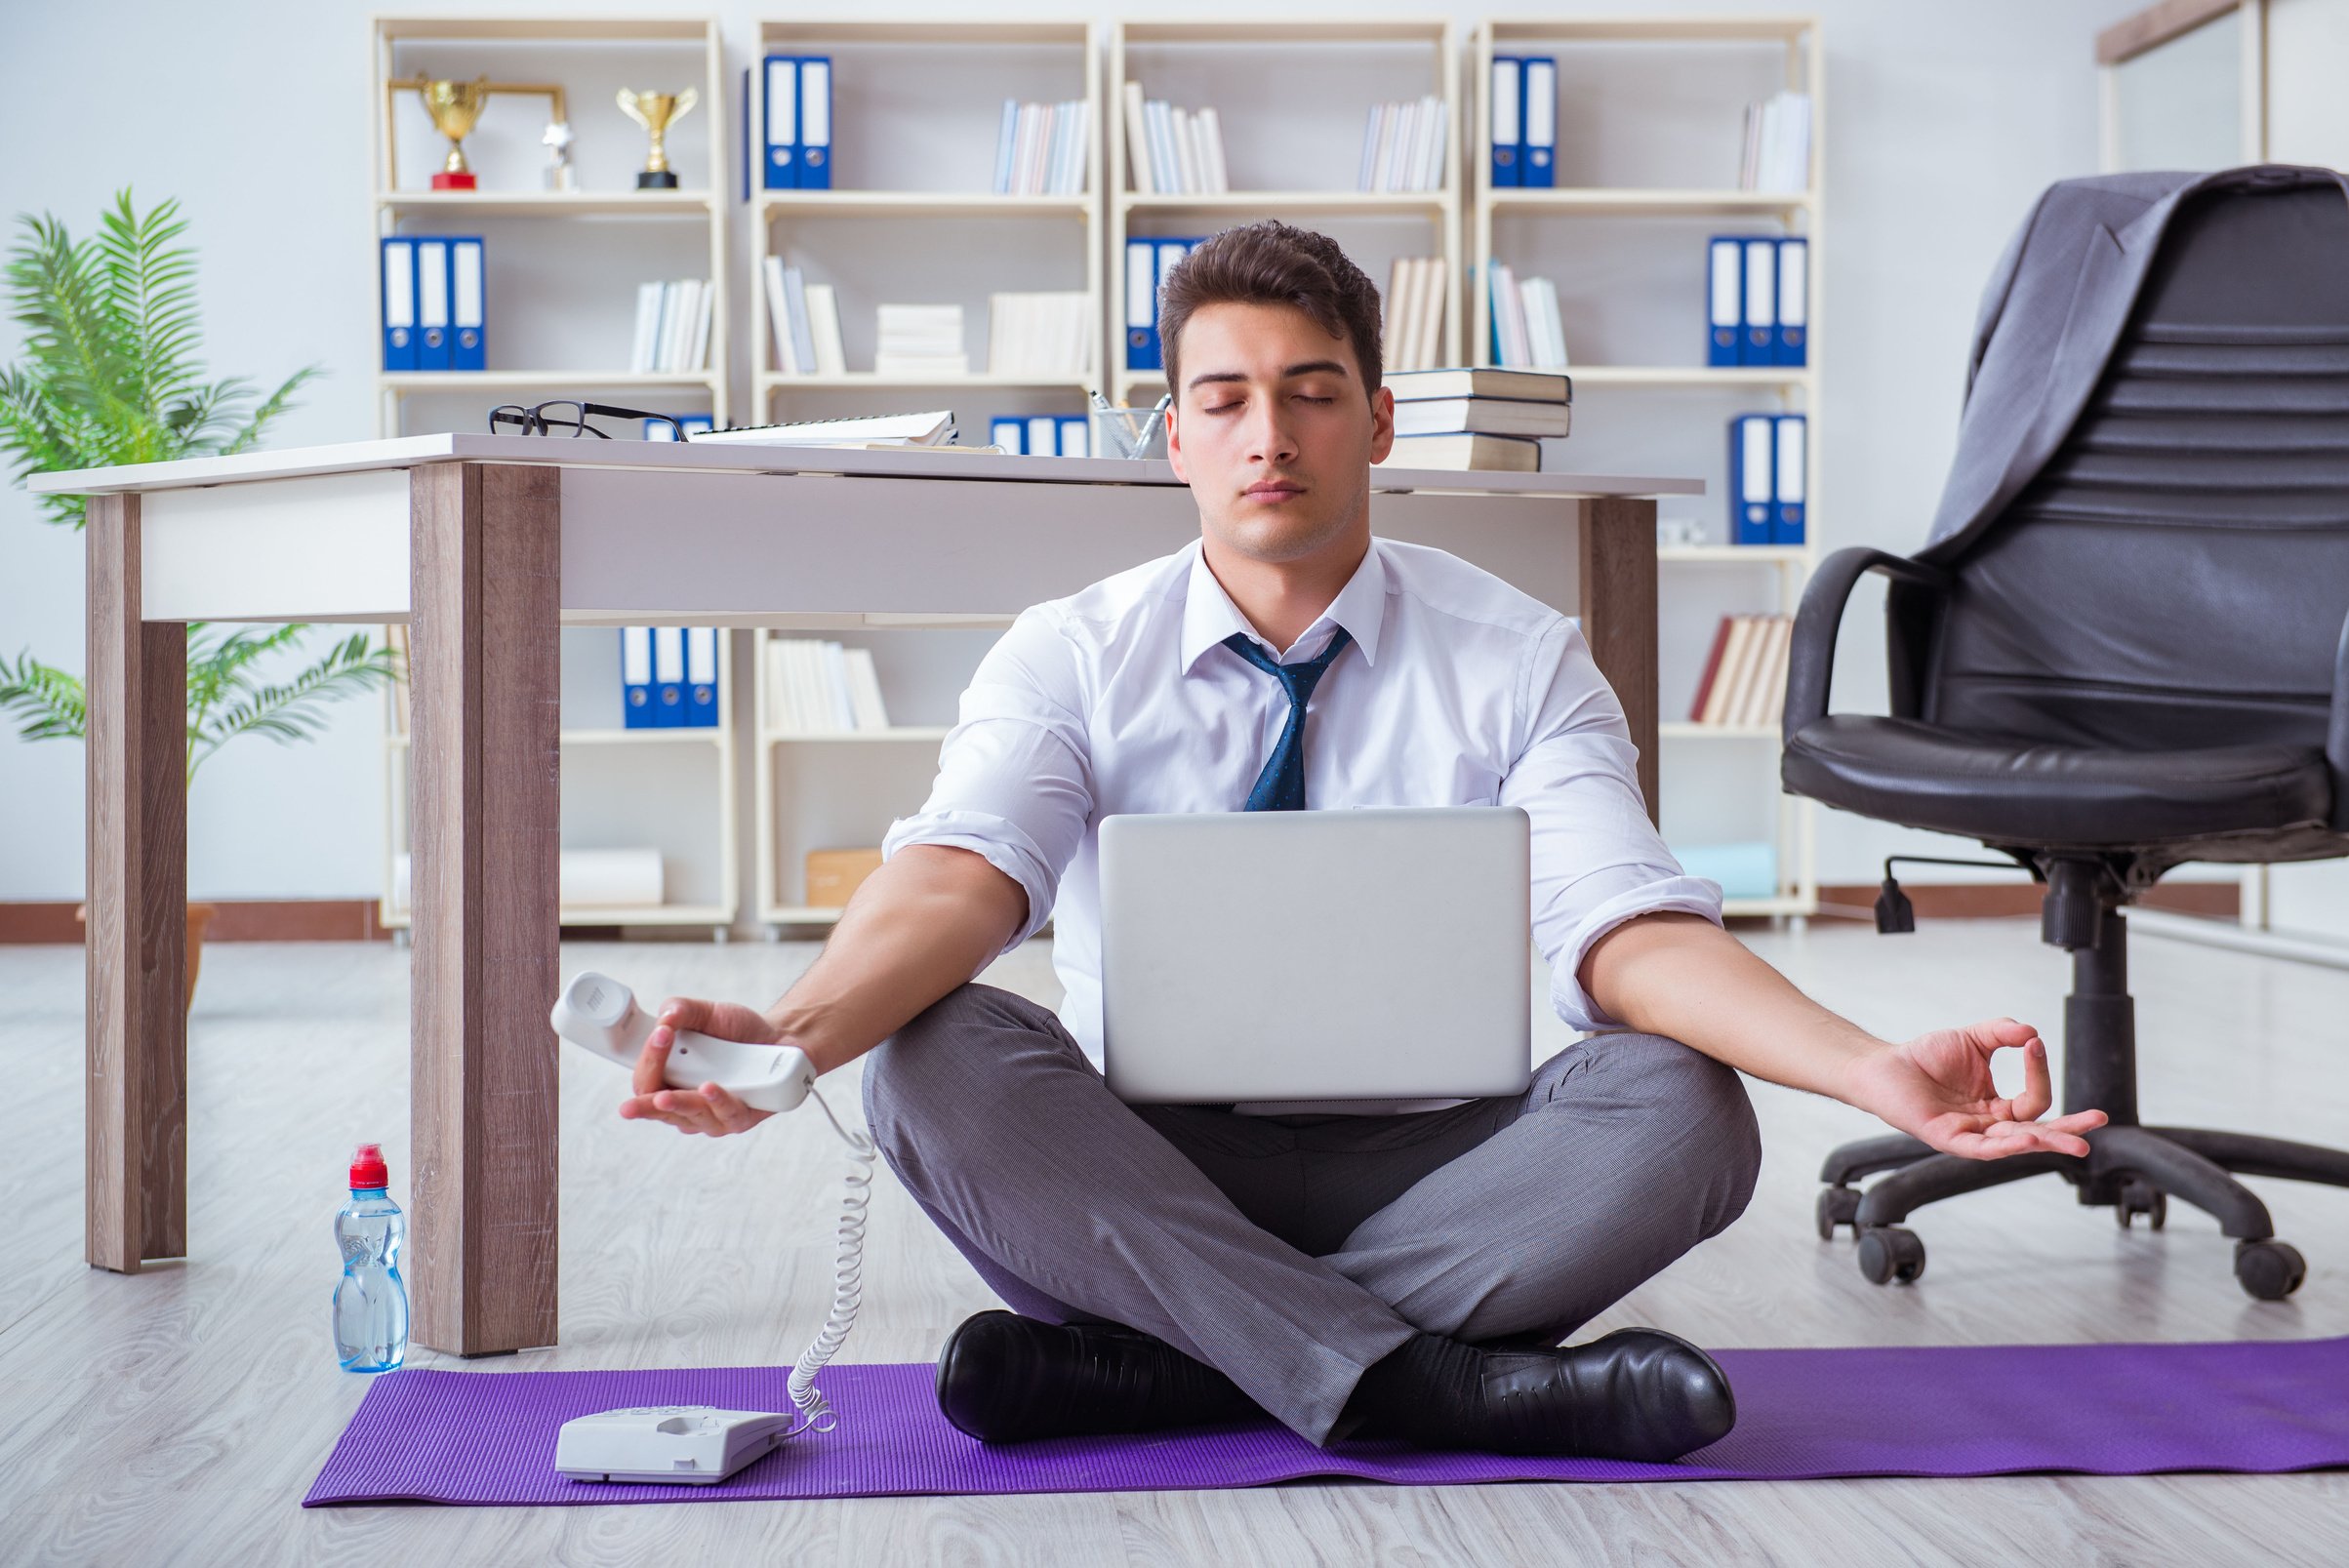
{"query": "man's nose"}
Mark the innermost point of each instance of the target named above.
(1269, 436)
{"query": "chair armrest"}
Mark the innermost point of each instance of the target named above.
(2336, 731)
(1810, 661)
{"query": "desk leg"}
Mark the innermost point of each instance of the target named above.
(136, 1157)
(485, 557)
(1619, 615)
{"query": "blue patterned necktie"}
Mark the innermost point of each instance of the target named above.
(1281, 785)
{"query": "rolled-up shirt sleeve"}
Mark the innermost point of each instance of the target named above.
(1598, 860)
(1015, 782)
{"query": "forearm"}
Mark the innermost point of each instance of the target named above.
(924, 923)
(1684, 978)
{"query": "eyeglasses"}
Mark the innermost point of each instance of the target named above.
(569, 417)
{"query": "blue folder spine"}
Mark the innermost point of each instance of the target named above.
(433, 344)
(1539, 163)
(668, 677)
(399, 305)
(1076, 436)
(1751, 491)
(1794, 301)
(1758, 345)
(1506, 102)
(700, 678)
(1043, 436)
(1142, 305)
(1007, 433)
(1725, 299)
(1789, 468)
(815, 122)
(637, 678)
(468, 316)
(781, 133)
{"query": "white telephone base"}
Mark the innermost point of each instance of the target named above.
(697, 1445)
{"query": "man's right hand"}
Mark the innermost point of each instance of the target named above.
(709, 1110)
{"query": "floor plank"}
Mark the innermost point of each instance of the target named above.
(180, 1415)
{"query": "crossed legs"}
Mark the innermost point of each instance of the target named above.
(1294, 1253)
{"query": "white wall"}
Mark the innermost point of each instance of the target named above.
(1943, 123)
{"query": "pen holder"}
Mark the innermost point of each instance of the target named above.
(1123, 432)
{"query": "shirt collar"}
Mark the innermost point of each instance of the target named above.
(1210, 616)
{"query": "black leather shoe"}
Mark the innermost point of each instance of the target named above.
(1638, 1394)
(1007, 1378)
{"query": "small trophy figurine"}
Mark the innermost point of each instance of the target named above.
(454, 108)
(657, 113)
(557, 141)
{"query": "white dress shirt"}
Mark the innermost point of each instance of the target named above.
(1459, 691)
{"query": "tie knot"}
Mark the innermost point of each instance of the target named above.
(1298, 679)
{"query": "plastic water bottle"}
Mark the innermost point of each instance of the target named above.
(371, 1303)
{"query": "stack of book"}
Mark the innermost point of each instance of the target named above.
(1744, 683)
(672, 328)
(1040, 150)
(1175, 153)
(1045, 335)
(821, 688)
(1527, 332)
(922, 340)
(1413, 326)
(1476, 418)
(1403, 146)
(1776, 156)
(806, 321)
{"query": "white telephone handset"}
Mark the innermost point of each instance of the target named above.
(598, 1013)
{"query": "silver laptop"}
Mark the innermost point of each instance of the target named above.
(1315, 955)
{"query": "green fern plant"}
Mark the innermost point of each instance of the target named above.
(111, 373)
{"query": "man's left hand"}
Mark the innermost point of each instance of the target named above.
(1938, 1087)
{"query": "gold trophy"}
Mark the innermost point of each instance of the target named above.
(454, 108)
(657, 113)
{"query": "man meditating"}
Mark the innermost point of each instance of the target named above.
(1406, 1275)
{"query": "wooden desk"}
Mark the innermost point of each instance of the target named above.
(486, 546)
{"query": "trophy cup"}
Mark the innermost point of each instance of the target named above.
(454, 108)
(657, 113)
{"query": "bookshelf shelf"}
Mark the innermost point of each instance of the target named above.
(1322, 202)
(550, 203)
(920, 204)
(1631, 202)
(1631, 175)
(458, 380)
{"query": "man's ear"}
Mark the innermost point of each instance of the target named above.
(1381, 425)
(1174, 444)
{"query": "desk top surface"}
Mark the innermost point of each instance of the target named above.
(942, 462)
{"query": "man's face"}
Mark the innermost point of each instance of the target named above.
(1273, 433)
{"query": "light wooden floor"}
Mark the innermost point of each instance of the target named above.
(180, 1415)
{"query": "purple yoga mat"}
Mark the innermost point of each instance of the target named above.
(487, 1437)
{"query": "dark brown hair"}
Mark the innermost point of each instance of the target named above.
(1272, 263)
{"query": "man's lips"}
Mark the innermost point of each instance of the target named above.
(1274, 492)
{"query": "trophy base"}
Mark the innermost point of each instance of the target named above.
(446, 181)
(652, 180)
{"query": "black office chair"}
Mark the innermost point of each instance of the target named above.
(2142, 661)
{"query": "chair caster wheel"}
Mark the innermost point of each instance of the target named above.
(2142, 1198)
(2269, 1270)
(1838, 1205)
(1889, 1253)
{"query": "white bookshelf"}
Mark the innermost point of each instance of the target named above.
(1656, 177)
(609, 772)
(555, 257)
(912, 216)
(832, 790)
(1291, 94)
(563, 267)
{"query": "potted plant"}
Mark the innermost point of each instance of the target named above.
(111, 373)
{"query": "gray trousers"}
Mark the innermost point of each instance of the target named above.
(1292, 1252)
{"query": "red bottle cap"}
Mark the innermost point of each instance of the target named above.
(367, 1167)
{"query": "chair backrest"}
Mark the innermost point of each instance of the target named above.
(2178, 573)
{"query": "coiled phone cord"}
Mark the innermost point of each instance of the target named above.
(847, 1280)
